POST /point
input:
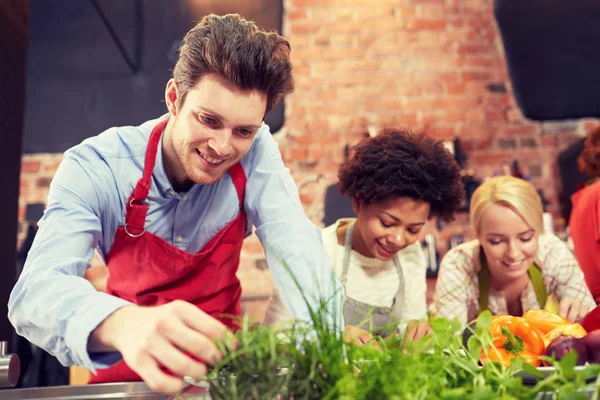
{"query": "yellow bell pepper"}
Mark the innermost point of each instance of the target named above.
(573, 330)
(544, 321)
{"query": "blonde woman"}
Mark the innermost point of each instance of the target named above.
(513, 265)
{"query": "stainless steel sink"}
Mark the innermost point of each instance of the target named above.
(123, 391)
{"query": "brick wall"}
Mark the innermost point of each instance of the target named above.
(436, 65)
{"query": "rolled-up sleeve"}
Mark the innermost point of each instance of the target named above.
(293, 244)
(51, 304)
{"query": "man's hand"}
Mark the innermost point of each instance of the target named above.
(151, 337)
(573, 310)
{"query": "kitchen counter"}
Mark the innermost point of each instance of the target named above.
(122, 391)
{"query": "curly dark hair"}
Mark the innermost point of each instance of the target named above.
(589, 160)
(399, 163)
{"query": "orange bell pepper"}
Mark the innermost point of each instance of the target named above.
(544, 321)
(513, 337)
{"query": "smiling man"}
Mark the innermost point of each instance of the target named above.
(169, 203)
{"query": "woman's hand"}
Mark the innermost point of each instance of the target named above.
(356, 335)
(416, 330)
(573, 310)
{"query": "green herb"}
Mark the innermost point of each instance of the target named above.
(312, 361)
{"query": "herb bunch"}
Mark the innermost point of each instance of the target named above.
(312, 361)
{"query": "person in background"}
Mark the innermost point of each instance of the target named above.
(397, 181)
(584, 222)
(512, 266)
(169, 202)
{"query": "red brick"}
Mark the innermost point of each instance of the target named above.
(432, 89)
(379, 26)
(342, 27)
(403, 12)
(431, 10)
(303, 3)
(456, 21)
(485, 61)
(345, 53)
(477, 76)
(464, 103)
(455, 88)
(476, 144)
(30, 167)
(376, 11)
(298, 153)
(475, 115)
(495, 116)
(418, 24)
(341, 40)
(407, 120)
(454, 116)
(295, 15)
(389, 105)
(52, 166)
(306, 54)
(478, 50)
(304, 28)
(430, 1)
(549, 141)
(298, 111)
(521, 129)
(489, 158)
(305, 139)
(441, 132)
(302, 70)
(253, 246)
(421, 104)
(299, 42)
(318, 152)
(497, 101)
(448, 77)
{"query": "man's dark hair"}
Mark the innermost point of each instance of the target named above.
(239, 51)
(589, 160)
(397, 163)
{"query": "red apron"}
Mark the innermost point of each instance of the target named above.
(148, 271)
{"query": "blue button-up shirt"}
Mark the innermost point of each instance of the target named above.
(54, 308)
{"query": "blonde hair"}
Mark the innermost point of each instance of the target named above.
(517, 194)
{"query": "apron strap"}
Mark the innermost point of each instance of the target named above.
(137, 208)
(537, 280)
(535, 275)
(484, 282)
(238, 176)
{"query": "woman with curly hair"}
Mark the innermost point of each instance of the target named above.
(397, 181)
(584, 223)
(513, 266)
